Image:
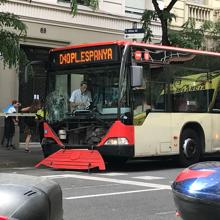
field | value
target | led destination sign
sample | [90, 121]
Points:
[77, 56]
[86, 56]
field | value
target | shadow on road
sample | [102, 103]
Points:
[144, 165]
[139, 165]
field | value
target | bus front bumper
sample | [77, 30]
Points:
[126, 151]
[82, 157]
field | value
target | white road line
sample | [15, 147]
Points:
[89, 187]
[22, 168]
[113, 174]
[148, 177]
[110, 194]
[166, 213]
[111, 180]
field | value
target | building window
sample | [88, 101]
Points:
[134, 7]
[80, 2]
[198, 2]
[138, 7]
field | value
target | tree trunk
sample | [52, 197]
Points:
[165, 40]
[164, 20]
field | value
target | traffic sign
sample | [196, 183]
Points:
[134, 33]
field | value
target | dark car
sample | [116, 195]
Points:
[26, 197]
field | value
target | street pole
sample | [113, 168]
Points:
[134, 26]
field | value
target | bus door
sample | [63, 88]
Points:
[149, 117]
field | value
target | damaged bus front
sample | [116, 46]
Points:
[81, 137]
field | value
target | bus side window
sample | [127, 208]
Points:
[217, 102]
[182, 106]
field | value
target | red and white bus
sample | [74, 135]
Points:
[147, 101]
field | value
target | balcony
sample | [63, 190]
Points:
[199, 12]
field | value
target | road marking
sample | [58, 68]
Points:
[89, 187]
[110, 194]
[22, 168]
[113, 174]
[148, 177]
[111, 180]
[166, 213]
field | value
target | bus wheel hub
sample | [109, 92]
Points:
[189, 148]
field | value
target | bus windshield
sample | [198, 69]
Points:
[103, 84]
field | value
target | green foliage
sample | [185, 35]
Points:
[168, 16]
[215, 33]
[94, 4]
[216, 28]
[147, 17]
[73, 4]
[11, 31]
[190, 36]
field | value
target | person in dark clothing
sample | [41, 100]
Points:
[30, 122]
[10, 122]
[3, 137]
[9, 131]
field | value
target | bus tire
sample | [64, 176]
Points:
[190, 148]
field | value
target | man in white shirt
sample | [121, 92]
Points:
[81, 98]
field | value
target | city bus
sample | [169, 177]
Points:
[147, 101]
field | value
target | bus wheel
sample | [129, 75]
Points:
[190, 148]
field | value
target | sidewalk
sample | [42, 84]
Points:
[19, 158]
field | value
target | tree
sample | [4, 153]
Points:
[147, 17]
[190, 36]
[11, 31]
[215, 34]
[164, 15]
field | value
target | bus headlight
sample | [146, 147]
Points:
[116, 141]
[62, 134]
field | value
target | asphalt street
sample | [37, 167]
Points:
[138, 191]
[19, 158]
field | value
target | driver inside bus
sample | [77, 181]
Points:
[81, 98]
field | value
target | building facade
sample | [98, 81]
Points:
[200, 10]
[50, 24]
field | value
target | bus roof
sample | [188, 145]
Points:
[152, 46]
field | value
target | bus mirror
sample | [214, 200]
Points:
[136, 76]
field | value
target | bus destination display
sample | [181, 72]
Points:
[78, 56]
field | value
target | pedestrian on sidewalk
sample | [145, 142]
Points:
[10, 122]
[29, 122]
[3, 136]
[39, 117]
